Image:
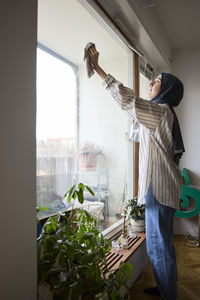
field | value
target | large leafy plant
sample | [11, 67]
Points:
[135, 211]
[72, 256]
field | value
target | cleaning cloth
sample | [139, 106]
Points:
[89, 65]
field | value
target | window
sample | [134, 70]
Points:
[103, 158]
[56, 128]
[144, 85]
[146, 74]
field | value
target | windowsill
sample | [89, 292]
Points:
[116, 226]
[135, 252]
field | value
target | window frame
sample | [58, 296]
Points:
[134, 78]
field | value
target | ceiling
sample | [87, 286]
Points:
[170, 24]
[179, 20]
[156, 27]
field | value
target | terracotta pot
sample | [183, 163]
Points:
[88, 161]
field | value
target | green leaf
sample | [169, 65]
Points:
[75, 194]
[42, 208]
[62, 292]
[69, 192]
[81, 186]
[69, 199]
[89, 190]
[80, 196]
[54, 226]
[61, 260]
[75, 295]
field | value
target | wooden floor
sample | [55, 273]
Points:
[188, 262]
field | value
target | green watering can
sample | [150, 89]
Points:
[188, 192]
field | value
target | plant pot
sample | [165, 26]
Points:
[44, 293]
[88, 162]
[138, 225]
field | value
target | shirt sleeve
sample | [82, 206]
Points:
[143, 111]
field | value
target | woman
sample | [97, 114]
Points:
[161, 147]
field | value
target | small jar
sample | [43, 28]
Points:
[115, 245]
[124, 242]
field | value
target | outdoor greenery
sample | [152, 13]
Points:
[135, 212]
[72, 256]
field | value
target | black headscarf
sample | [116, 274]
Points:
[171, 93]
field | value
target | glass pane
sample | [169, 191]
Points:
[105, 157]
[103, 126]
[56, 87]
[144, 85]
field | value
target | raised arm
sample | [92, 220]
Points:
[123, 95]
[94, 56]
[143, 111]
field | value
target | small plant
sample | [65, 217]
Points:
[90, 148]
[135, 211]
[72, 256]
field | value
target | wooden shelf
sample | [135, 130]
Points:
[113, 258]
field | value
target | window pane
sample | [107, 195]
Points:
[144, 85]
[103, 126]
[105, 156]
[56, 86]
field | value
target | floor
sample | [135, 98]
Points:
[188, 262]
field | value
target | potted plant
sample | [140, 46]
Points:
[88, 156]
[72, 256]
[137, 214]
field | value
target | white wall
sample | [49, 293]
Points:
[17, 93]
[186, 65]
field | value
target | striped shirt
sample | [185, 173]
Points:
[156, 164]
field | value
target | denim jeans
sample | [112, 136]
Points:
[160, 248]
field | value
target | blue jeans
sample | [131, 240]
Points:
[160, 248]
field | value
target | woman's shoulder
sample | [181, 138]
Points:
[168, 113]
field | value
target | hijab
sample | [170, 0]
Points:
[171, 93]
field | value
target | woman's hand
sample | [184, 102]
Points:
[94, 56]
